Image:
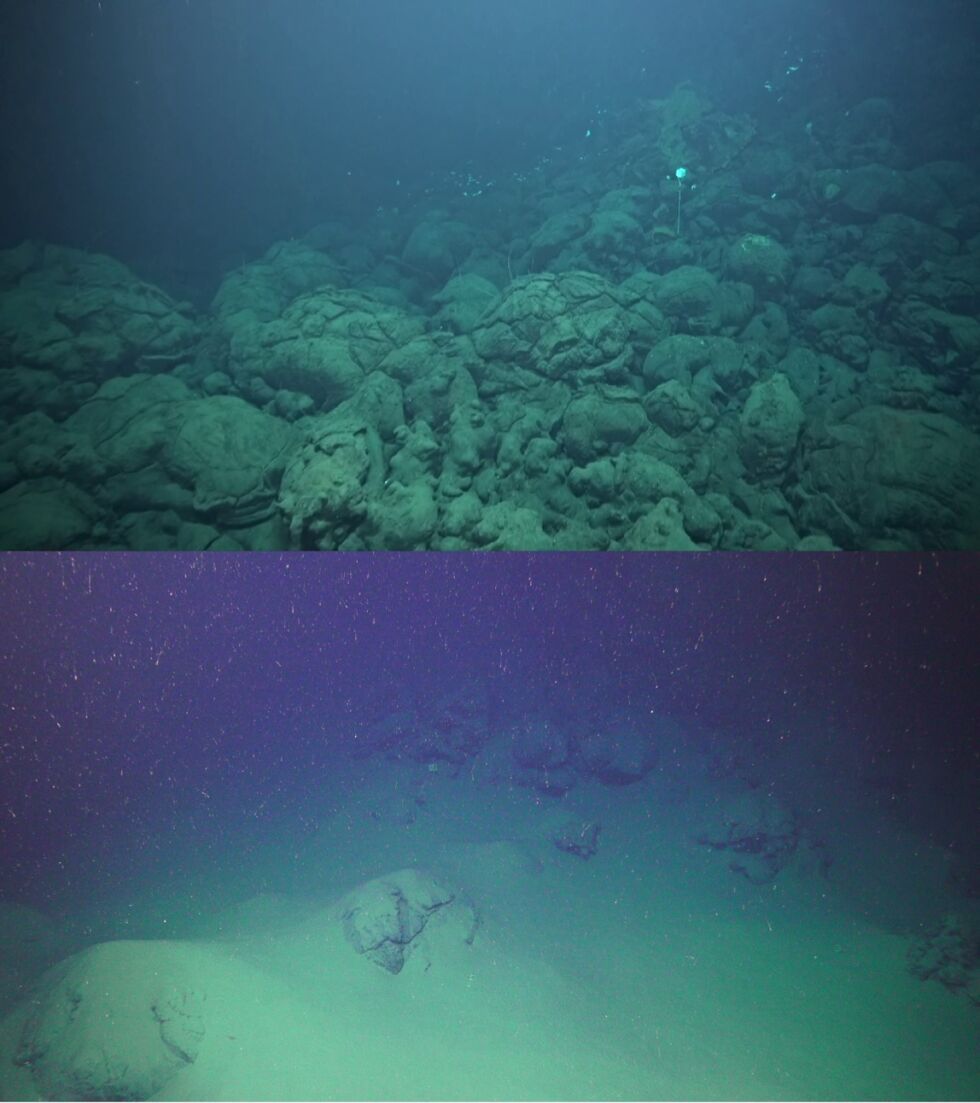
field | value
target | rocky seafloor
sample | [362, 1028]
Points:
[777, 350]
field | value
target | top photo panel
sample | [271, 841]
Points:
[514, 275]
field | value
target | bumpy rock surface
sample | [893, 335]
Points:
[449, 728]
[883, 474]
[86, 317]
[323, 346]
[554, 327]
[328, 481]
[770, 428]
[790, 365]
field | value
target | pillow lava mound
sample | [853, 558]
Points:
[559, 327]
[563, 412]
[894, 478]
[70, 320]
[117, 1021]
[279, 331]
[141, 448]
[105, 444]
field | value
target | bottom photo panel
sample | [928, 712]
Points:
[500, 827]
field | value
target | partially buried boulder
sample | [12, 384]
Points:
[390, 918]
[578, 837]
[540, 756]
[757, 830]
[451, 727]
[117, 1021]
[617, 751]
[538, 743]
[950, 953]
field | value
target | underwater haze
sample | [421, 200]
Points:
[514, 827]
[489, 274]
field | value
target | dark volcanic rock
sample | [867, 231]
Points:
[116, 1021]
[951, 955]
[760, 833]
[385, 919]
[578, 837]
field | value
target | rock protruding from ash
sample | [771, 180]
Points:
[116, 1021]
[390, 918]
[951, 955]
[617, 750]
[578, 837]
[758, 830]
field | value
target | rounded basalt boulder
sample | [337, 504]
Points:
[389, 919]
[761, 262]
[769, 428]
[116, 1021]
